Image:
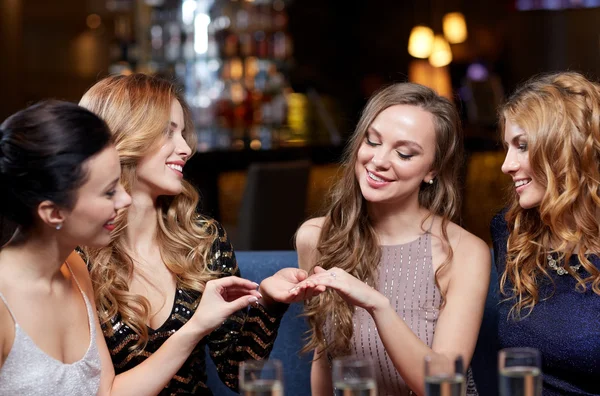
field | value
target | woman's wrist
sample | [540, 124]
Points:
[193, 331]
[266, 300]
[380, 305]
[271, 305]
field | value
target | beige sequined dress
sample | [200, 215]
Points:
[406, 278]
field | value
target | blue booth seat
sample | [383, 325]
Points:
[485, 358]
[257, 265]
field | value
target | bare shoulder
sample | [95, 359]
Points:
[80, 271]
[307, 238]
[468, 249]
[471, 253]
[464, 241]
[309, 232]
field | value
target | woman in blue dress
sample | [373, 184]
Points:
[547, 242]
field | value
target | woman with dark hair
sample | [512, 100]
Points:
[60, 174]
[547, 242]
[152, 280]
[60, 180]
[404, 280]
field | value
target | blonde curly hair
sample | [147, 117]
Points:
[560, 114]
[137, 110]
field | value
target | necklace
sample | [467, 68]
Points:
[560, 270]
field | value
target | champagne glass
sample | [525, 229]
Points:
[444, 377]
[261, 378]
[354, 377]
[520, 372]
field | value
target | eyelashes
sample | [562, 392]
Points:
[402, 156]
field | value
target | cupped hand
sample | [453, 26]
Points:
[289, 285]
[351, 289]
[221, 298]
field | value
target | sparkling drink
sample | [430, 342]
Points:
[520, 381]
[445, 385]
[355, 387]
[262, 388]
[261, 378]
[354, 377]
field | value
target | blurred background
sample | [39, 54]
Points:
[276, 86]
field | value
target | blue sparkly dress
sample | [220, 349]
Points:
[565, 327]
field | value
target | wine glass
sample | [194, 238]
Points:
[354, 377]
[444, 377]
[520, 372]
[261, 378]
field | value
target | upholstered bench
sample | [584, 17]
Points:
[256, 266]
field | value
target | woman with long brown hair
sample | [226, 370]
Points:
[397, 268]
[150, 281]
[547, 241]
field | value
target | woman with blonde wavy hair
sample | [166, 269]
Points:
[153, 283]
[396, 267]
[547, 241]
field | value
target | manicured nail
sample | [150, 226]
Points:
[252, 300]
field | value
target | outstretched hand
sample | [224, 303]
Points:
[223, 297]
[289, 285]
[351, 289]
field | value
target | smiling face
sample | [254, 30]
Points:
[396, 155]
[99, 199]
[161, 172]
[517, 165]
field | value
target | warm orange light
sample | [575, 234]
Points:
[236, 69]
[455, 27]
[251, 66]
[255, 144]
[237, 92]
[93, 21]
[436, 78]
[420, 41]
[440, 52]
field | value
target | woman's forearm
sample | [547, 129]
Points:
[320, 376]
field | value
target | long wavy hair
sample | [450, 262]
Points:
[560, 113]
[348, 240]
[137, 109]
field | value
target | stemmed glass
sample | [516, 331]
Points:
[354, 377]
[261, 378]
[520, 372]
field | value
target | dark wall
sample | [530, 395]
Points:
[540, 41]
[348, 48]
[48, 51]
[345, 48]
